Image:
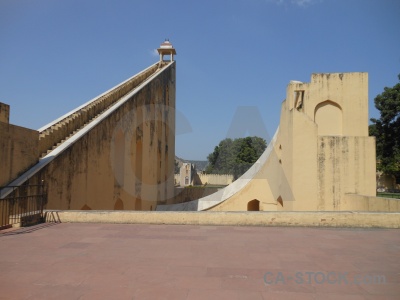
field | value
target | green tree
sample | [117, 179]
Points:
[386, 129]
[235, 156]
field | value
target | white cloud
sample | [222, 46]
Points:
[276, 1]
[154, 52]
[301, 3]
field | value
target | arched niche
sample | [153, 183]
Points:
[119, 205]
[86, 207]
[253, 205]
[328, 117]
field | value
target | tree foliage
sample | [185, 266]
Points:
[235, 156]
[386, 129]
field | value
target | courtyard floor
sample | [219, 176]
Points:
[114, 261]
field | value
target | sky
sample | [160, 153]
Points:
[234, 57]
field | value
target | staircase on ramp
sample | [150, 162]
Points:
[58, 131]
[58, 135]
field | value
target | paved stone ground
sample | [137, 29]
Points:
[112, 261]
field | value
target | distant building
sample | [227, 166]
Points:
[186, 174]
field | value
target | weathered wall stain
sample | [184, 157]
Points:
[112, 165]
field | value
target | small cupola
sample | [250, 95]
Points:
[166, 48]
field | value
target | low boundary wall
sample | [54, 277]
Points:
[293, 219]
[370, 203]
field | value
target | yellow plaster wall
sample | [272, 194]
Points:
[321, 151]
[18, 151]
[124, 162]
[214, 179]
[349, 91]
[370, 203]
[297, 219]
[345, 165]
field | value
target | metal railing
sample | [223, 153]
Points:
[23, 206]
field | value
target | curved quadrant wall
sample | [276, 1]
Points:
[320, 154]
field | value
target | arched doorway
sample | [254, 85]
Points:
[253, 205]
[119, 205]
